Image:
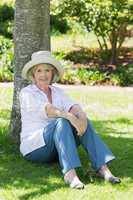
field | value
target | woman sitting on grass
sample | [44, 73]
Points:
[53, 125]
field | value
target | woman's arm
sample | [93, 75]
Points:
[52, 111]
[80, 122]
[82, 117]
[78, 112]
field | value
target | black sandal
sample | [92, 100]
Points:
[114, 180]
[111, 179]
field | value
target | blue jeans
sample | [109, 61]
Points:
[62, 141]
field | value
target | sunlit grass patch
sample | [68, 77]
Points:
[111, 113]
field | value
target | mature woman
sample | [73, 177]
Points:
[53, 125]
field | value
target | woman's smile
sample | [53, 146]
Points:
[43, 79]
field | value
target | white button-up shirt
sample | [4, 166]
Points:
[33, 116]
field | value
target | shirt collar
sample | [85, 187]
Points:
[35, 88]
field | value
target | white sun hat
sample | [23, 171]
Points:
[43, 57]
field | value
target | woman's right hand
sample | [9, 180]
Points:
[52, 111]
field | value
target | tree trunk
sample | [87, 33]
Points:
[31, 33]
[114, 38]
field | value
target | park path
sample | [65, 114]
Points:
[79, 87]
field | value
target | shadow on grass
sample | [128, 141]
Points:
[107, 126]
[40, 179]
[83, 55]
[18, 173]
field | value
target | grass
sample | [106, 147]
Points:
[9, 2]
[111, 112]
[70, 42]
[67, 42]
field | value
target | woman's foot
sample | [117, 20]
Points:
[106, 174]
[72, 179]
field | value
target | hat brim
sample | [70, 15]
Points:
[44, 60]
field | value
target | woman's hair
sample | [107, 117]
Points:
[31, 71]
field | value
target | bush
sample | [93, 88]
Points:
[91, 67]
[83, 76]
[70, 77]
[122, 76]
[125, 74]
[6, 22]
[6, 59]
[91, 76]
[6, 12]
[58, 24]
[6, 29]
[83, 56]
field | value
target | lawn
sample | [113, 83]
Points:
[71, 42]
[7, 2]
[111, 110]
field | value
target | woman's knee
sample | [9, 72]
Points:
[63, 126]
[62, 122]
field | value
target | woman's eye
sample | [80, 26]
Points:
[39, 70]
[47, 70]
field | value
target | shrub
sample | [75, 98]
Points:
[6, 59]
[58, 24]
[83, 55]
[6, 12]
[125, 74]
[122, 76]
[6, 22]
[70, 77]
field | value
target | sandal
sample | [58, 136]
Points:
[72, 179]
[112, 179]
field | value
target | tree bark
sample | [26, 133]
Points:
[114, 38]
[31, 33]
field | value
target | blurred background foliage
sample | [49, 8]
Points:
[92, 39]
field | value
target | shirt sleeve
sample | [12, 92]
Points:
[67, 101]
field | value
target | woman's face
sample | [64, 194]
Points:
[43, 74]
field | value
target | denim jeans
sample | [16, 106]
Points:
[62, 142]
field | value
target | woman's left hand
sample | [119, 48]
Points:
[81, 117]
[79, 124]
[82, 123]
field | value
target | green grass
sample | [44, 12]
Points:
[67, 42]
[111, 112]
[9, 2]
[70, 42]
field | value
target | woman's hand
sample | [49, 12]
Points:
[82, 119]
[79, 124]
[52, 111]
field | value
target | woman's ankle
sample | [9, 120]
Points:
[70, 175]
[105, 171]
[106, 174]
[73, 180]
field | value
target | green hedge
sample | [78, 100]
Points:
[6, 20]
[122, 76]
[6, 59]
